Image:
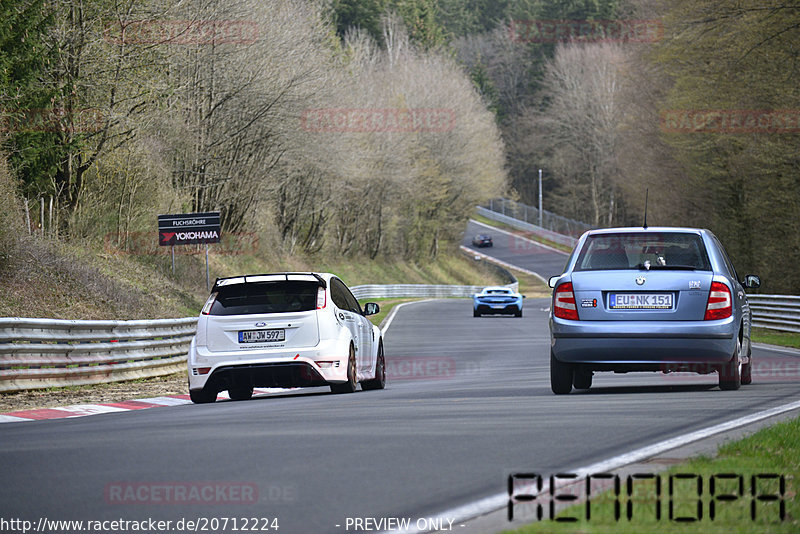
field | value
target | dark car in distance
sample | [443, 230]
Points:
[482, 240]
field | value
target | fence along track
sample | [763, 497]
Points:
[777, 312]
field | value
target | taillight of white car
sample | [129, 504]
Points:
[720, 303]
[564, 302]
[322, 299]
[210, 302]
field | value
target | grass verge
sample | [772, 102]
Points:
[776, 337]
[734, 470]
[83, 280]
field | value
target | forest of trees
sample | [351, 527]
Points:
[591, 112]
[120, 110]
[129, 122]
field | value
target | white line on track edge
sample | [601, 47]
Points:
[503, 263]
[392, 313]
[499, 501]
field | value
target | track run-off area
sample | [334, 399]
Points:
[467, 403]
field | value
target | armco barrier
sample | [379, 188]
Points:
[530, 214]
[43, 353]
[561, 239]
[778, 312]
[417, 290]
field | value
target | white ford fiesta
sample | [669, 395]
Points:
[284, 330]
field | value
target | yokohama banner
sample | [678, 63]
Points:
[188, 229]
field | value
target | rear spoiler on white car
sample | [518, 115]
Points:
[274, 277]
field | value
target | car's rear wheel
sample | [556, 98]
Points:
[560, 376]
[379, 382]
[582, 379]
[518, 314]
[475, 313]
[202, 396]
[730, 374]
[352, 383]
[240, 393]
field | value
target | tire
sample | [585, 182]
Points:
[582, 379]
[379, 382]
[747, 371]
[240, 393]
[352, 383]
[730, 374]
[475, 313]
[560, 376]
[518, 314]
[202, 396]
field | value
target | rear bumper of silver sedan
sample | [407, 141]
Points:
[643, 345]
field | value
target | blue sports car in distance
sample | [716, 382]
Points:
[649, 299]
[497, 300]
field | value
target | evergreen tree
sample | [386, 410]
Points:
[30, 120]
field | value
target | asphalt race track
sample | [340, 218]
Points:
[468, 401]
[517, 251]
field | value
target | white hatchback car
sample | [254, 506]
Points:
[284, 330]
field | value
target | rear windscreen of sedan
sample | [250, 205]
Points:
[265, 297]
[667, 250]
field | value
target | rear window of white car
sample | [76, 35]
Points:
[265, 297]
[667, 250]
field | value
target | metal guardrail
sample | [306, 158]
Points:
[777, 312]
[555, 237]
[42, 353]
[418, 290]
[530, 214]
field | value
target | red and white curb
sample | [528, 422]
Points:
[81, 410]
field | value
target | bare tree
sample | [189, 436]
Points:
[579, 126]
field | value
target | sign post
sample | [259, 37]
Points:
[189, 229]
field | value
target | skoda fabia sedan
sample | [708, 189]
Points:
[649, 299]
[284, 330]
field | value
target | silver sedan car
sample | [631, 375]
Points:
[649, 299]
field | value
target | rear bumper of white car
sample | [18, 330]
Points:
[280, 367]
